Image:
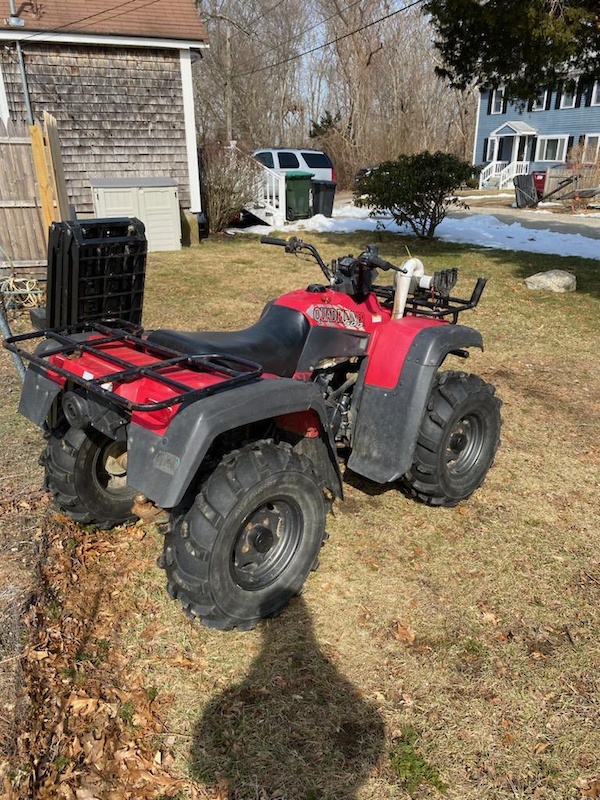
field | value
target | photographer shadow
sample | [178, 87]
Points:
[294, 728]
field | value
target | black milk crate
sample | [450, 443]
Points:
[96, 270]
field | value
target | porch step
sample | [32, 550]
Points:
[491, 183]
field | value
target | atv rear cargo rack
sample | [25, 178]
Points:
[236, 371]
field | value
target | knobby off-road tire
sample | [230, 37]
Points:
[457, 442]
[85, 479]
[250, 539]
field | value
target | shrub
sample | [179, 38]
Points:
[416, 190]
[228, 183]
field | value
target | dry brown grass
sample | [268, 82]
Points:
[456, 645]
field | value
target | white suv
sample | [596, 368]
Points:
[292, 160]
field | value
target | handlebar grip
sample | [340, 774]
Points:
[381, 263]
[273, 240]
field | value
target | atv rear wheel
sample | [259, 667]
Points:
[457, 442]
[250, 539]
[86, 475]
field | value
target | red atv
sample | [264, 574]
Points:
[236, 434]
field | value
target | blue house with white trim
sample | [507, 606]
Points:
[513, 138]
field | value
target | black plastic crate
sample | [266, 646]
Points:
[96, 270]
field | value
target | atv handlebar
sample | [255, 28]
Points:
[371, 258]
[273, 240]
[430, 293]
[294, 245]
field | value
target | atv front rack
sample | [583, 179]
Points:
[432, 305]
[97, 339]
[427, 304]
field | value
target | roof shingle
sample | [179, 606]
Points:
[163, 19]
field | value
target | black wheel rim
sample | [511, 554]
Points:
[464, 445]
[109, 469]
[266, 544]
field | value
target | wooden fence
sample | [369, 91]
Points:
[23, 238]
[566, 182]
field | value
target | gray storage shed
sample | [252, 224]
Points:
[153, 200]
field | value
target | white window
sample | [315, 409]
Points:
[567, 97]
[590, 148]
[497, 101]
[539, 104]
[551, 148]
[596, 94]
[491, 150]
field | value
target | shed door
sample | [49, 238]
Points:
[117, 202]
[159, 211]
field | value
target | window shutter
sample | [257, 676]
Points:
[485, 150]
[570, 144]
[579, 94]
[490, 97]
[559, 90]
[530, 105]
[589, 91]
[533, 148]
[504, 103]
[549, 98]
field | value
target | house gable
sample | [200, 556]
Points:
[118, 79]
[514, 129]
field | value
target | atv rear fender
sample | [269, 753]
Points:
[391, 404]
[163, 467]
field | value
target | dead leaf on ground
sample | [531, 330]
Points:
[404, 633]
[592, 790]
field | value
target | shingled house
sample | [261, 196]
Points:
[117, 76]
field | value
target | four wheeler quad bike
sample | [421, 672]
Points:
[235, 434]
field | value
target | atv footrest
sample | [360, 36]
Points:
[105, 357]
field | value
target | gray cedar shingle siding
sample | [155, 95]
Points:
[119, 112]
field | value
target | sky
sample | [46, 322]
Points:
[484, 230]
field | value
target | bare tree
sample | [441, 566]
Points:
[248, 88]
[359, 75]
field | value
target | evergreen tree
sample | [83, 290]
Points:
[522, 44]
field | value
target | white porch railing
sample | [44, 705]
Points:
[489, 173]
[505, 178]
[501, 173]
[268, 203]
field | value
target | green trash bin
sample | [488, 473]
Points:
[297, 195]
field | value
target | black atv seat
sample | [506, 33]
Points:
[275, 341]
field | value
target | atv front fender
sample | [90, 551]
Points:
[163, 467]
[388, 419]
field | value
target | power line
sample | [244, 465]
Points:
[261, 16]
[332, 41]
[280, 45]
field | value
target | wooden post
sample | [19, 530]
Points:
[42, 176]
[56, 166]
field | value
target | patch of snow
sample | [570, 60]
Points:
[483, 230]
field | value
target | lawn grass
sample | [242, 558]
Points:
[448, 652]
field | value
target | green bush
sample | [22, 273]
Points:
[416, 190]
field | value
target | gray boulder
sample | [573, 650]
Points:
[554, 280]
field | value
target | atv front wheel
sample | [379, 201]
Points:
[250, 539]
[457, 442]
[86, 476]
